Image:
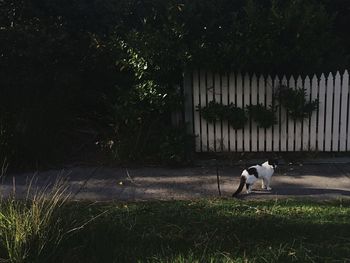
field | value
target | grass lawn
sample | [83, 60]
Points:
[209, 231]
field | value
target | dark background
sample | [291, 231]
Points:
[99, 79]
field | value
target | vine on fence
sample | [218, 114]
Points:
[212, 112]
[264, 117]
[235, 116]
[295, 102]
[215, 111]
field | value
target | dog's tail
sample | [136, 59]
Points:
[240, 187]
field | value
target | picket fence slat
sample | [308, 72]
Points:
[268, 97]
[284, 123]
[224, 97]
[290, 146]
[344, 112]
[347, 87]
[313, 120]
[306, 122]
[217, 125]
[298, 124]
[277, 127]
[254, 101]
[203, 99]
[321, 113]
[239, 103]
[246, 89]
[328, 118]
[327, 129]
[336, 113]
[210, 92]
[261, 100]
[197, 117]
[231, 99]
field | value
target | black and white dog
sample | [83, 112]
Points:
[252, 174]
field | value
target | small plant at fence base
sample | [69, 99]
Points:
[215, 111]
[264, 117]
[295, 102]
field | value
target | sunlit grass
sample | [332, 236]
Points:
[30, 227]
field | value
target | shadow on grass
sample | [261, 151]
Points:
[204, 231]
[295, 191]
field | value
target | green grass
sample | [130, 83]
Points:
[30, 228]
[42, 229]
[210, 231]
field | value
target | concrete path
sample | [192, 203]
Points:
[321, 181]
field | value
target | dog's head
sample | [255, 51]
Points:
[273, 163]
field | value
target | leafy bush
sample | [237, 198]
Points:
[296, 103]
[264, 117]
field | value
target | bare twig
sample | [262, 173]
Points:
[3, 170]
[87, 222]
[85, 182]
[129, 177]
[218, 178]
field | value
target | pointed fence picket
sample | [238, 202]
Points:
[298, 124]
[276, 128]
[268, 103]
[344, 113]
[336, 113]
[240, 103]
[328, 117]
[321, 113]
[203, 102]
[261, 100]
[326, 129]
[291, 123]
[211, 97]
[306, 122]
[196, 113]
[246, 129]
[313, 117]
[224, 125]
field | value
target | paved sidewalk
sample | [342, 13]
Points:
[321, 181]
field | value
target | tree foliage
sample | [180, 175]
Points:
[73, 73]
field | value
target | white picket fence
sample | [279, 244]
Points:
[327, 130]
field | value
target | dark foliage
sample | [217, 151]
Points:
[215, 111]
[235, 116]
[212, 112]
[296, 103]
[264, 117]
[77, 75]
